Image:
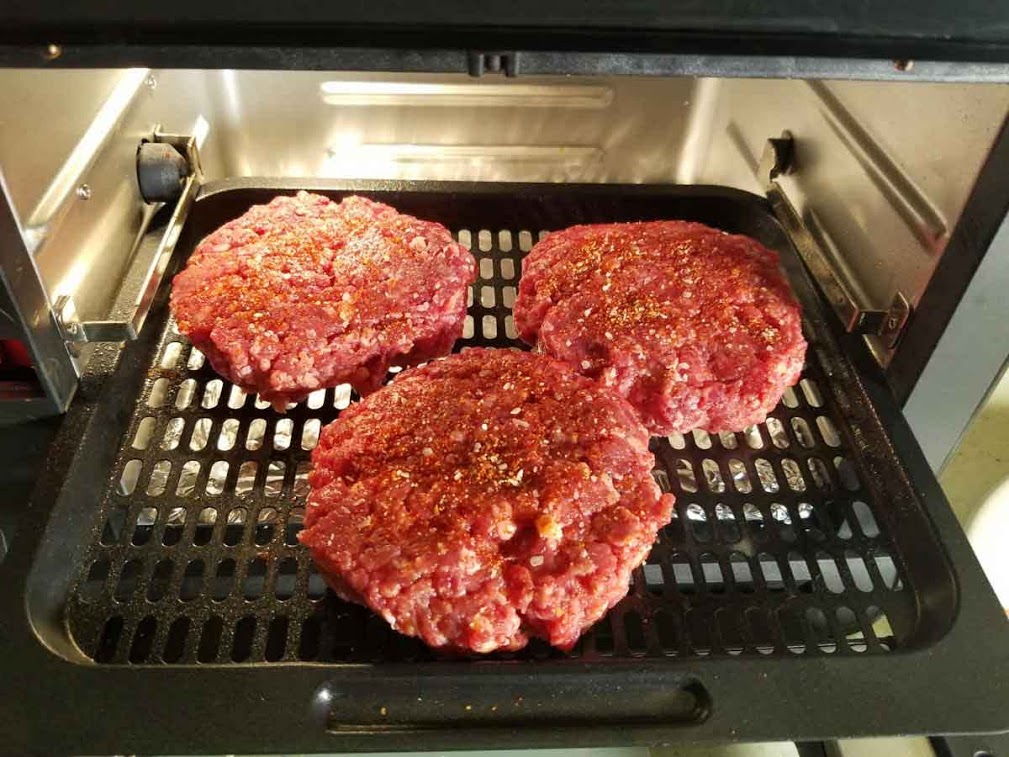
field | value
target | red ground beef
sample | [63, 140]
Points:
[695, 327]
[485, 498]
[305, 292]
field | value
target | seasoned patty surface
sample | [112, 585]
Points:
[485, 498]
[305, 292]
[695, 327]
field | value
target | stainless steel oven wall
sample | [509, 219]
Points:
[883, 169]
[68, 143]
[42, 120]
[73, 218]
[78, 200]
[450, 126]
[883, 172]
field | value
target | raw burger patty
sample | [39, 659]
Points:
[485, 498]
[695, 327]
[305, 292]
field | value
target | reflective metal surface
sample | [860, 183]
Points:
[149, 261]
[464, 95]
[844, 297]
[34, 144]
[68, 151]
[69, 182]
[884, 168]
[436, 127]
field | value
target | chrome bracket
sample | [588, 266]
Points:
[856, 315]
[149, 263]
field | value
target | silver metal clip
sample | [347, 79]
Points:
[857, 316]
[149, 263]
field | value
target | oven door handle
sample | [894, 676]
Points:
[475, 697]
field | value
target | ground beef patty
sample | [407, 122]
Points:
[305, 292]
[485, 498]
[696, 327]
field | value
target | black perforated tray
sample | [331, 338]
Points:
[801, 590]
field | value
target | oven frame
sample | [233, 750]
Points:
[248, 708]
[935, 38]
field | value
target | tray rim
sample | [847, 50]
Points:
[245, 704]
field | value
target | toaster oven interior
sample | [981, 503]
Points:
[808, 557]
[881, 173]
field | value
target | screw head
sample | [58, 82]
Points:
[891, 322]
[903, 65]
[84, 192]
[151, 82]
[53, 51]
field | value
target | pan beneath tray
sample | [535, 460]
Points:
[803, 563]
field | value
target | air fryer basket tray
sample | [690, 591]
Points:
[803, 554]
